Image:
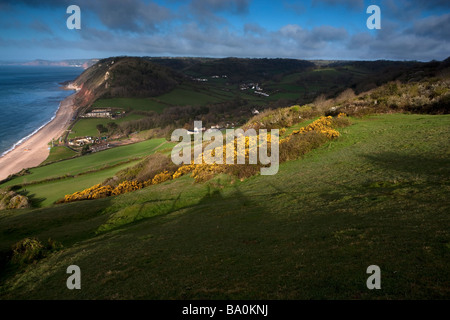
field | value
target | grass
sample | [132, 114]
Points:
[185, 95]
[377, 195]
[59, 153]
[298, 126]
[88, 126]
[46, 193]
[304, 86]
[142, 104]
[95, 161]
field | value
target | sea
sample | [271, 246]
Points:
[29, 99]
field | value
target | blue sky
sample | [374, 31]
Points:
[310, 29]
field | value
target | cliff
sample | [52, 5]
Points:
[124, 77]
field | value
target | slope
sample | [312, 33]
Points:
[377, 195]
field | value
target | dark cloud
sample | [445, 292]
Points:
[328, 33]
[210, 13]
[130, 15]
[407, 10]
[437, 27]
[315, 39]
[425, 41]
[350, 4]
[296, 7]
[201, 28]
[92, 34]
[254, 28]
[213, 6]
[40, 26]
[124, 15]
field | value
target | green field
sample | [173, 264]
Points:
[59, 152]
[88, 126]
[304, 86]
[143, 104]
[183, 96]
[95, 161]
[378, 195]
[46, 193]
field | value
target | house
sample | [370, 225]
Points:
[98, 113]
[100, 147]
[196, 130]
[81, 141]
[262, 93]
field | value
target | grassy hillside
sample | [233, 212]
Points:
[79, 173]
[163, 93]
[238, 70]
[377, 195]
[59, 152]
[124, 77]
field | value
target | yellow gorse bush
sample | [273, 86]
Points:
[200, 169]
[322, 125]
[161, 177]
[185, 169]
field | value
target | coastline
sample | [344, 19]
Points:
[33, 150]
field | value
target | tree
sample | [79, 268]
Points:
[101, 129]
[85, 150]
[112, 126]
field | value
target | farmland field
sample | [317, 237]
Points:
[88, 126]
[144, 104]
[91, 162]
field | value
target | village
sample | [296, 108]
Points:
[92, 144]
[89, 144]
[248, 85]
[107, 113]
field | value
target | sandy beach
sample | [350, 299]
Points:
[34, 151]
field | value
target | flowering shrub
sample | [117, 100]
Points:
[161, 177]
[322, 125]
[297, 143]
[184, 169]
[127, 186]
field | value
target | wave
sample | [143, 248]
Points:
[18, 143]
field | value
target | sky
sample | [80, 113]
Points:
[310, 29]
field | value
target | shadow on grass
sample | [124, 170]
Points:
[35, 202]
[413, 164]
[65, 223]
[140, 215]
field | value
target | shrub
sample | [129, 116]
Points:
[295, 108]
[296, 144]
[280, 118]
[162, 177]
[346, 95]
[29, 250]
[11, 200]
[185, 169]
[145, 170]
[300, 144]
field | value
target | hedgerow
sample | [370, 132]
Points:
[298, 143]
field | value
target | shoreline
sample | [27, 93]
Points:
[24, 139]
[32, 150]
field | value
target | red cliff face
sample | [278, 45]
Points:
[84, 97]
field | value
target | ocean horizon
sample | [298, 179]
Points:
[30, 96]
